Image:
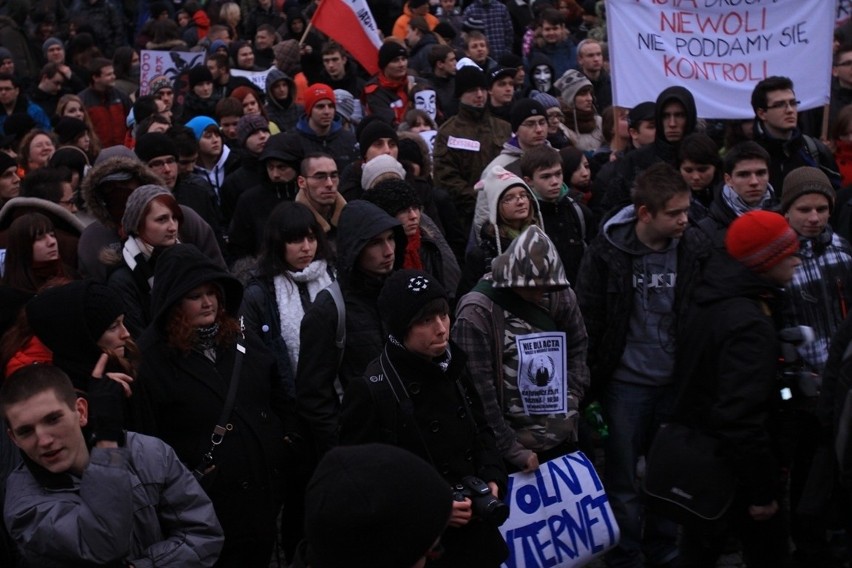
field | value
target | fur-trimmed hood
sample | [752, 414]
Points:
[94, 199]
[54, 211]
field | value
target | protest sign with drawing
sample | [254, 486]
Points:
[719, 50]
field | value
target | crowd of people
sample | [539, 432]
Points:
[226, 309]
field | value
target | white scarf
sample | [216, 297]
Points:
[290, 311]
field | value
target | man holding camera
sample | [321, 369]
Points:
[728, 360]
[418, 395]
[116, 499]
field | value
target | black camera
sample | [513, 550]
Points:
[796, 381]
[485, 506]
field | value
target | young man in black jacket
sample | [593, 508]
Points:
[728, 356]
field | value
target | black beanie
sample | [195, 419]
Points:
[199, 74]
[70, 320]
[389, 51]
[404, 295]
[409, 151]
[69, 129]
[392, 196]
[6, 162]
[468, 78]
[375, 505]
[523, 109]
[373, 131]
[153, 144]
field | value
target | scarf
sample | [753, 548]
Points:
[412, 253]
[581, 121]
[44, 271]
[314, 277]
[735, 202]
[400, 89]
[205, 340]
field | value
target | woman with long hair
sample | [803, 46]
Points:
[150, 223]
[32, 254]
[72, 105]
[252, 104]
[193, 351]
[293, 268]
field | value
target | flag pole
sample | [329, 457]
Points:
[308, 28]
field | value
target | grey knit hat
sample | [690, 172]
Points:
[570, 83]
[545, 100]
[804, 180]
[136, 204]
[248, 125]
[378, 166]
[50, 42]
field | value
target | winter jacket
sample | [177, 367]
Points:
[274, 307]
[445, 426]
[245, 233]
[103, 232]
[606, 294]
[133, 505]
[249, 174]
[193, 106]
[570, 226]
[562, 55]
[727, 358]
[284, 113]
[820, 293]
[178, 397]
[400, 26]
[339, 143]
[460, 163]
[24, 105]
[196, 193]
[108, 111]
[14, 38]
[487, 331]
[320, 363]
[787, 155]
[387, 99]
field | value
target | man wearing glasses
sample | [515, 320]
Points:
[775, 128]
[318, 182]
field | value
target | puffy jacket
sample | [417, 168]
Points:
[133, 505]
[108, 112]
[339, 143]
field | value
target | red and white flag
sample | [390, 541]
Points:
[350, 23]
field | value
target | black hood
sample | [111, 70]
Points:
[360, 221]
[684, 97]
[730, 279]
[182, 268]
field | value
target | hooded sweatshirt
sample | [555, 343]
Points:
[648, 357]
[283, 112]
[320, 364]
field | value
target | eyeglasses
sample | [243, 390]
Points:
[164, 162]
[520, 198]
[324, 176]
[534, 123]
[783, 105]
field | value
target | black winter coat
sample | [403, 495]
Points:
[443, 428]
[320, 363]
[727, 356]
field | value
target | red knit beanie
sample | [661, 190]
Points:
[315, 93]
[760, 240]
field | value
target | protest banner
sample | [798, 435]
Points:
[719, 50]
[559, 515]
[257, 78]
[173, 64]
[351, 24]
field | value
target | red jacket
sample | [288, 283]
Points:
[108, 112]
